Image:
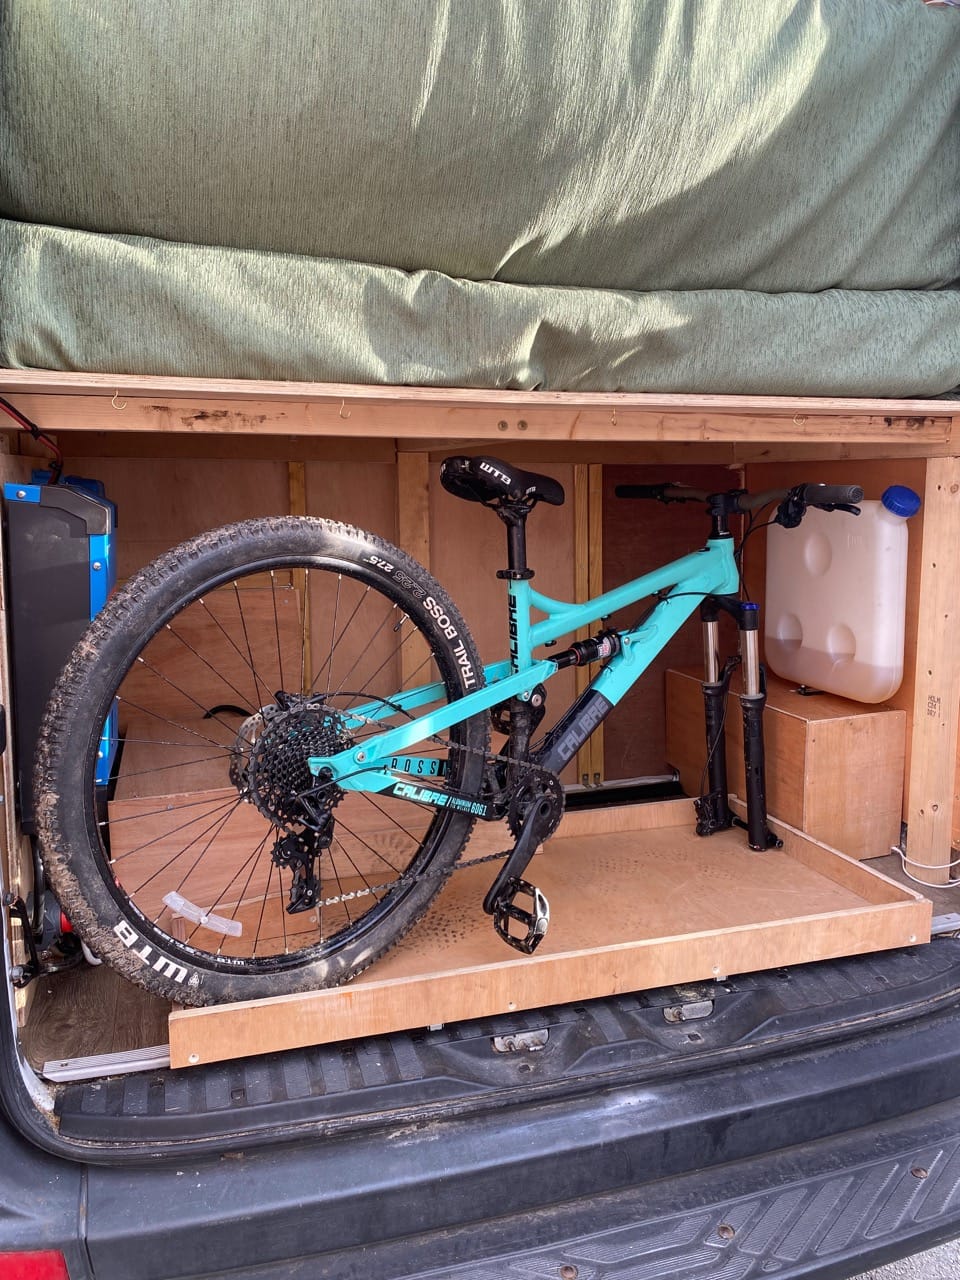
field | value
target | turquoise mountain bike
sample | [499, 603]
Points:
[296, 727]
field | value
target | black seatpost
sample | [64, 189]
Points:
[514, 516]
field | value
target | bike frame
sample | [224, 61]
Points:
[375, 765]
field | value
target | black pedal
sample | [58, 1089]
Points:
[534, 921]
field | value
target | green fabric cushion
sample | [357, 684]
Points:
[686, 195]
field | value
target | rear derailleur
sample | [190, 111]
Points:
[298, 852]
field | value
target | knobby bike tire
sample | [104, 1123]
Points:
[161, 865]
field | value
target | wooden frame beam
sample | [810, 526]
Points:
[67, 402]
[936, 707]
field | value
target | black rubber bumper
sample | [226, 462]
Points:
[826, 1210]
[791, 1143]
[814, 1163]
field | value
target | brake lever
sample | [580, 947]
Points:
[837, 506]
[791, 510]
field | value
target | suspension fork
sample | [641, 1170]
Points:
[713, 810]
[712, 807]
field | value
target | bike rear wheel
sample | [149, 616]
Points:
[176, 810]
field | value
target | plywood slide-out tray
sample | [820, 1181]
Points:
[637, 900]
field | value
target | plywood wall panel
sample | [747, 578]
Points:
[162, 501]
[357, 492]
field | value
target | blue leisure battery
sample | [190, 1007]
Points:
[60, 568]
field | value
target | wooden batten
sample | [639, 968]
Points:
[936, 685]
[251, 407]
[413, 535]
[588, 582]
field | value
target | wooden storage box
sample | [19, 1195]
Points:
[637, 899]
[180, 455]
[834, 767]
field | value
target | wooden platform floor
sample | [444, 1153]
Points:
[638, 900]
[630, 908]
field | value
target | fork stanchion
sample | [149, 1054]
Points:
[752, 701]
[713, 809]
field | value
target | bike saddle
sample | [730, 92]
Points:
[492, 482]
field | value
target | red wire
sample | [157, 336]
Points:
[31, 427]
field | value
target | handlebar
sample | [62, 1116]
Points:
[825, 496]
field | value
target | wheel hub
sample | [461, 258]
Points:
[269, 765]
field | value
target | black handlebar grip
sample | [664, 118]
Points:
[830, 495]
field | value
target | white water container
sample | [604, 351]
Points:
[836, 598]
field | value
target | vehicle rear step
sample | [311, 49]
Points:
[476, 1065]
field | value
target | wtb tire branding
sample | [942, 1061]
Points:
[150, 956]
[444, 623]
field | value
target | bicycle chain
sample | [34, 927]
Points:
[405, 878]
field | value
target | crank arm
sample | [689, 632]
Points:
[528, 843]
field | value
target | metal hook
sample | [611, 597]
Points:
[123, 405]
[343, 415]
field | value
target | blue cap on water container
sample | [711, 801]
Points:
[901, 501]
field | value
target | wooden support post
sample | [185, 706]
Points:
[413, 505]
[936, 708]
[297, 485]
[588, 581]
[297, 481]
[413, 534]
